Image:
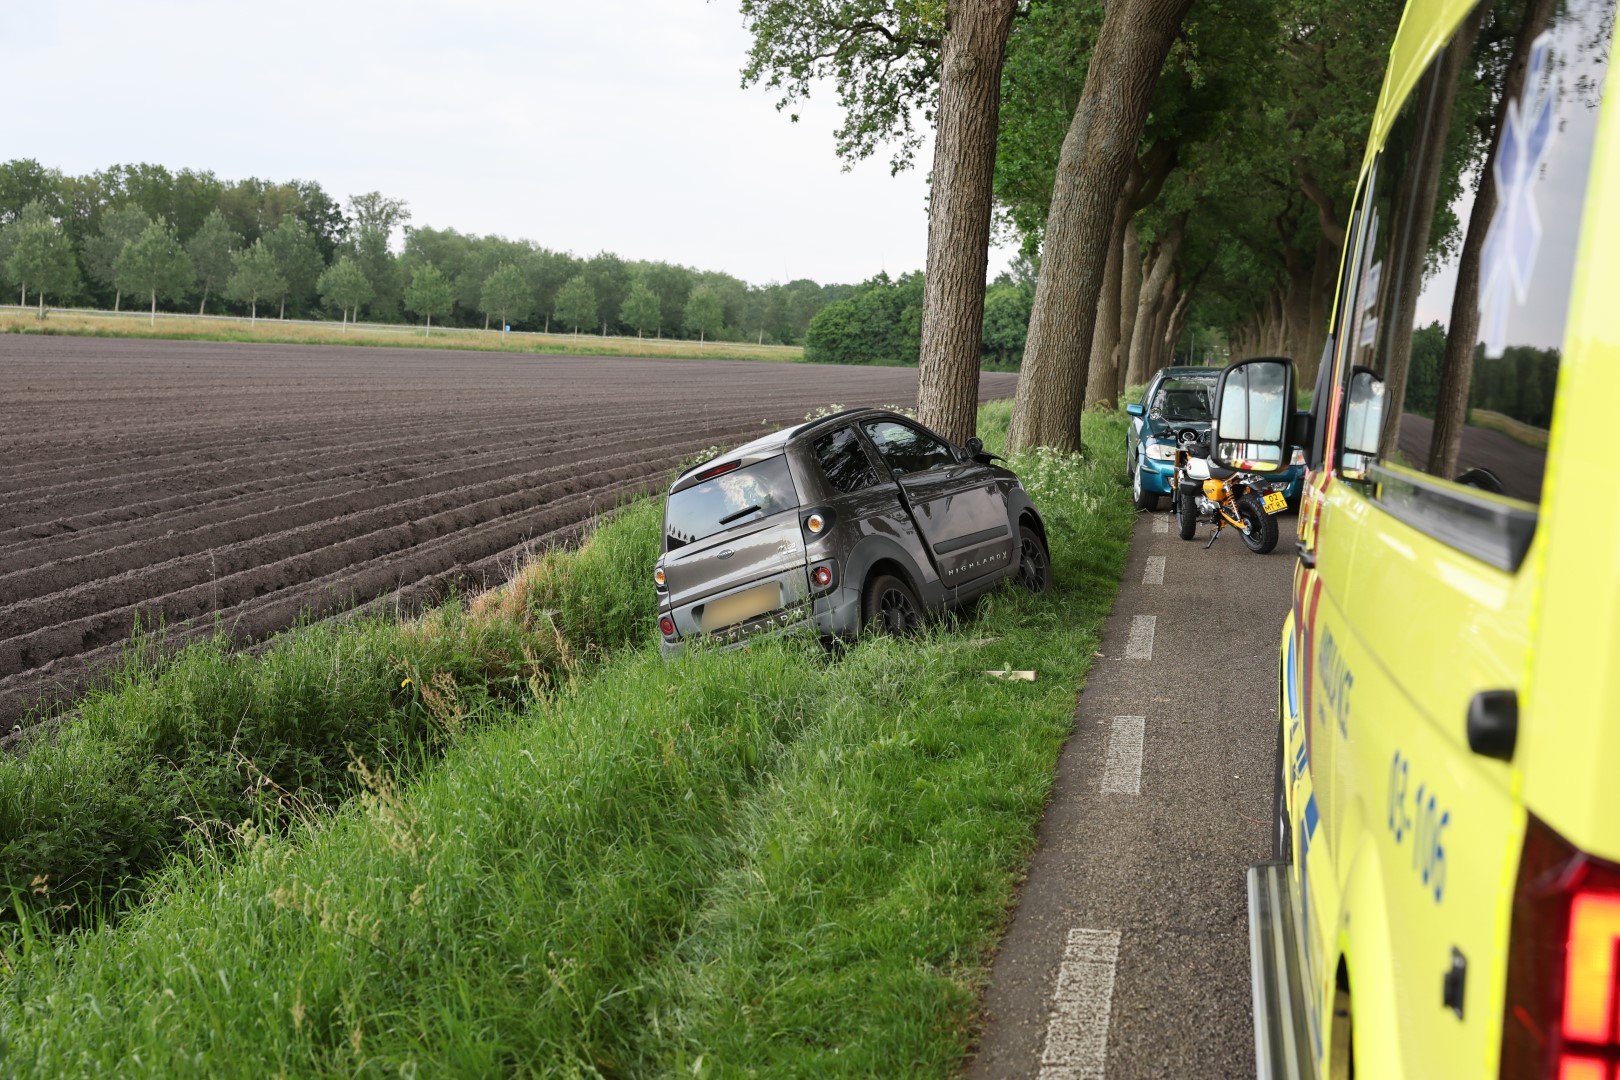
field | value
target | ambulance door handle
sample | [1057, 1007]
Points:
[1493, 723]
[1307, 557]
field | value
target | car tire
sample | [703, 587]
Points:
[1262, 535]
[1144, 500]
[1034, 561]
[1186, 515]
[888, 606]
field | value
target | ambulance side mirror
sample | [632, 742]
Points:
[1254, 411]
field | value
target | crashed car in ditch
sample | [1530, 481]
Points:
[863, 519]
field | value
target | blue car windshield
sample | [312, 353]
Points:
[1184, 399]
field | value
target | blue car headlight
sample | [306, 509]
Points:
[1157, 451]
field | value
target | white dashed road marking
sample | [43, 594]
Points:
[1140, 646]
[1154, 574]
[1122, 775]
[1077, 1033]
[1161, 524]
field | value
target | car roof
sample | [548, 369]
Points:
[1189, 372]
[767, 446]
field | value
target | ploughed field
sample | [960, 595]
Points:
[195, 484]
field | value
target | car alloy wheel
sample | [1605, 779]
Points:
[1034, 564]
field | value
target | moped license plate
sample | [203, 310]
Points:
[1275, 502]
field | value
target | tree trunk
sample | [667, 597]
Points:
[1096, 156]
[429, 331]
[1130, 290]
[118, 295]
[1462, 330]
[154, 309]
[203, 307]
[283, 315]
[959, 215]
[253, 312]
[1409, 239]
[42, 303]
[486, 322]
[548, 324]
[1103, 374]
[1143, 344]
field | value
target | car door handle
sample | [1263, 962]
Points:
[1307, 557]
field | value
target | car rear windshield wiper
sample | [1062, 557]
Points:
[744, 512]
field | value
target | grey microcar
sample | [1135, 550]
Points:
[860, 519]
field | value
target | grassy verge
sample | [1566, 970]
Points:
[736, 863]
[274, 331]
[1517, 430]
[177, 755]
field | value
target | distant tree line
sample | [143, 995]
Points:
[881, 321]
[143, 237]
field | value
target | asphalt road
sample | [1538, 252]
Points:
[1128, 953]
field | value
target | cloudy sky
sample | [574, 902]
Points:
[615, 124]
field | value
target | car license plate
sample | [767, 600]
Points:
[740, 607]
[1275, 502]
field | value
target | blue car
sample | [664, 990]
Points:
[1178, 398]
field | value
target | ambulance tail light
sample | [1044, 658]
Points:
[1562, 1014]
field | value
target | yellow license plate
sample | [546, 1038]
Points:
[1275, 502]
[740, 607]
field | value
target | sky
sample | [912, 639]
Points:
[615, 125]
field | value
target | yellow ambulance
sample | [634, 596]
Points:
[1444, 897]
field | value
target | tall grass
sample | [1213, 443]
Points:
[736, 863]
[175, 755]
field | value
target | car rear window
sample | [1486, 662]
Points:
[732, 498]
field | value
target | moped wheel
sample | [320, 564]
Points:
[1262, 534]
[1186, 515]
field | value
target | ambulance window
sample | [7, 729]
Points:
[1465, 260]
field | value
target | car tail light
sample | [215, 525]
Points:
[816, 522]
[1562, 1019]
[822, 576]
[718, 470]
[667, 626]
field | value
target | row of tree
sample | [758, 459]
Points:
[1166, 164]
[169, 238]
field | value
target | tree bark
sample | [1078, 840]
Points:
[1103, 373]
[283, 315]
[1143, 345]
[959, 214]
[154, 309]
[1097, 153]
[429, 331]
[486, 322]
[253, 312]
[1130, 289]
[118, 295]
[203, 307]
[1462, 330]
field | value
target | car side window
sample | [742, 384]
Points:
[1453, 330]
[905, 448]
[844, 462]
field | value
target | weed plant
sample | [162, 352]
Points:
[175, 755]
[757, 862]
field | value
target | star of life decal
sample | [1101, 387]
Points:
[1515, 234]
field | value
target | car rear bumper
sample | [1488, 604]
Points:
[835, 615]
